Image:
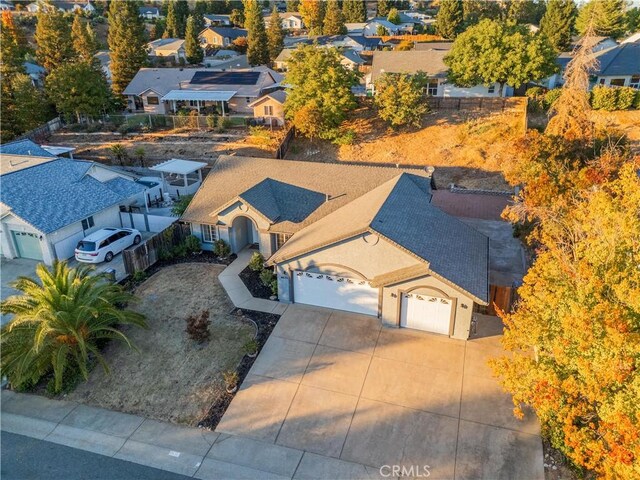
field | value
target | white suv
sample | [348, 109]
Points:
[102, 245]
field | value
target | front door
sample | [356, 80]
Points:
[27, 245]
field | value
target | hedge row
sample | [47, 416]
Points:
[601, 98]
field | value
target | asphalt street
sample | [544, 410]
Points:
[25, 458]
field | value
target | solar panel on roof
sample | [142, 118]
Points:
[225, 78]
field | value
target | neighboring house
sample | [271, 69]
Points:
[150, 13]
[371, 28]
[431, 62]
[6, 5]
[68, 7]
[220, 36]
[48, 204]
[619, 66]
[214, 20]
[349, 58]
[632, 38]
[350, 237]
[290, 21]
[355, 28]
[433, 46]
[33, 7]
[167, 48]
[36, 72]
[226, 62]
[104, 57]
[165, 90]
[269, 109]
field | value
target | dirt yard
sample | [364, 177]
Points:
[466, 149]
[171, 377]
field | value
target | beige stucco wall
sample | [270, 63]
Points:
[278, 110]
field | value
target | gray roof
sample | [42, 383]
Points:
[52, 195]
[231, 176]
[352, 55]
[433, 46]
[229, 32]
[24, 147]
[151, 10]
[279, 201]
[400, 211]
[431, 62]
[621, 60]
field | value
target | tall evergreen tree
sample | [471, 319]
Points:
[382, 8]
[257, 50]
[333, 19]
[449, 21]
[199, 10]
[84, 40]
[127, 43]
[608, 17]
[192, 48]
[312, 15]
[53, 38]
[355, 11]
[293, 5]
[275, 34]
[171, 29]
[182, 13]
[16, 32]
[11, 66]
[394, 16]
[557, 23]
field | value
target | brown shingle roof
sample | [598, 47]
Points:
[431, 62]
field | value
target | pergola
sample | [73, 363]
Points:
[199, 96]
[185, 176]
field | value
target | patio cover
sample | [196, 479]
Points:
[179, 167]
[207, 96]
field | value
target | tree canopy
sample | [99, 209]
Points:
[257, 50]
[319, 93]
[496, 52]
[607, 18]
[394, 16]
[127, 43]
[558, 22]
[54, 46]
[275, 35]
[84, 40]
[192, 48]
[312, 15]
[355, 11]
[400, 98]
[333, 19]
[449, 21]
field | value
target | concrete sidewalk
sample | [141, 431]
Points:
[238, 292]
[193, 452]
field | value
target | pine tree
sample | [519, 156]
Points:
[312, 15]
[17, 33]
[199, 10]
[557, 23]
[333, 19]
[257, 51]
[382, 8]
[192, 47]
[53, 38]
[608, 17]
[171, 29]
[157, 30]
[293, 5]
[355, 11]
[275, 34]
[84, 40]
[32, 106]
[394, 16]
[127, 44]
[449, 21]
[11, 65]
[182, 13]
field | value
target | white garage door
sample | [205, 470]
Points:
[330, 291]
[423, 312]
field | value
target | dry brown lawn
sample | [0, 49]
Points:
[171, 377]
[465, 148]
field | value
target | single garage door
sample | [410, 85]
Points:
[422, 312]
[27, 245]
[330, 291]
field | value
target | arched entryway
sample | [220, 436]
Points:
[244, 233]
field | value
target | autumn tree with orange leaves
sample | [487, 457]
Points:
[574, 336]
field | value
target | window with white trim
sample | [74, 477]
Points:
[432, 87]
[208, 233]
[88, 223]
[268, 110]
[492, 89]
[635, 82]
[281, 239]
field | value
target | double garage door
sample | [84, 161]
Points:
[331, 291]
[423, 312]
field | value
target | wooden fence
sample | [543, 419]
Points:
[281, 151]
[501, 298]
[40, 133]
[148, 252]
[492, 104]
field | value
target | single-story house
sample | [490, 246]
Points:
[48, 204]
[80, 6]
[350, 237]
[167, 47]
[635, 37]
[349, 58]
[433, 46]
[355, 28]
[223, 20]
[6, 5]
[220, 36]
[619, 66]
[371, 28]
[431, 62]
[36, 72]
[290, 20]
[226, 62]
[165, 90]
[269, 109]
[149, 13]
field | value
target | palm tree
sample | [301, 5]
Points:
[58, 321]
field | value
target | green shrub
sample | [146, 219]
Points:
[536, 99]
[180, 205]
[604, 98]
[192, 243]
[636, 101]
[223, 123]
[94, 127]
[165, 254]
[257, 262]
[266, 277]
[71, 377]
[221, 249]
[274, 286]
[124, 129]
[345, 138]
[550, 97]
[211, 121]
[180, 250]
[626, 97]
[251, 347]
[139, 276]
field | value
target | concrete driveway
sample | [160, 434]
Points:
[339, 386]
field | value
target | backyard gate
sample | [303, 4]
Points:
[147, 253]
